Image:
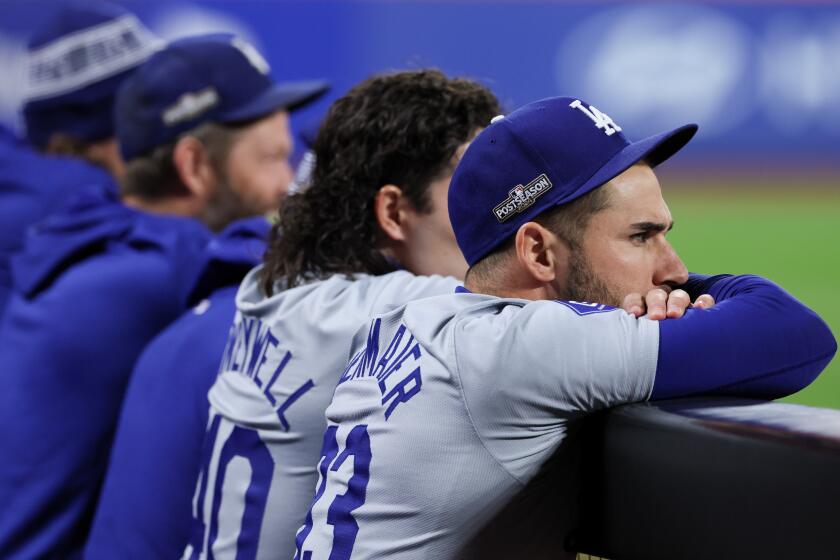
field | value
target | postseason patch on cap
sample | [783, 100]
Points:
[191, 105]
[521, 197]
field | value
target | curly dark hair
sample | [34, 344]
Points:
[401, 129]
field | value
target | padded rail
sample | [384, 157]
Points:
[711, 478]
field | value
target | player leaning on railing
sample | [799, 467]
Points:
[451, 405]
[370, 232]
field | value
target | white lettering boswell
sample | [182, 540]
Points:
[521, 197]
[601, 120]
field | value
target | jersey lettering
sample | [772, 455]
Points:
[397, 370]
[247, 446]
[340, 512]
[251, 346]
[329, 450]
[199, 529]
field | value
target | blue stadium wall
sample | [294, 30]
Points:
[762, 78]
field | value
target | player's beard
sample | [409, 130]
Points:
[227, 205]
[584, 285]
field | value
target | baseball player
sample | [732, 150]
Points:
[369, 232]
[165, 409]
[204, 131]
[75, 63]
[451, 405]
[144, 507]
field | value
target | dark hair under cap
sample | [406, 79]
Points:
[399, 128]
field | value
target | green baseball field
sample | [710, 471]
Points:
[787, 232]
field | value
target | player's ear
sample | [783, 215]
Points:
[194, 167]
[392, 209]
[538, 252]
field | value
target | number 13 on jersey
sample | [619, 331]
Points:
[330, 530]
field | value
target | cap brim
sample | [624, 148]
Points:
[288, 96]
[653, 150]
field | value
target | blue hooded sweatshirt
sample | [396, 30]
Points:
[32, 186]
[145, 507]
[94, 284]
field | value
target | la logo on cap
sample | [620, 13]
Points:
[601, 120]
[253, 55]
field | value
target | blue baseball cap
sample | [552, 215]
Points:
[207, 78]
[543, 155]
[75, 63]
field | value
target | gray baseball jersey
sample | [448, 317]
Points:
[281, 364]
[448, 409]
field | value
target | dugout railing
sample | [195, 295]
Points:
[710, 479]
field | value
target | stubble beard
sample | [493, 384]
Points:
[228, 206]
[584, 285]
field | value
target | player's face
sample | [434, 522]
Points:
[257, 173]
[430, 244]
[624, 249]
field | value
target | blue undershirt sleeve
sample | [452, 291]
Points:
[758, 341]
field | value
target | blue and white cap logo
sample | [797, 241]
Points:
[191, 105]
[543, 155]
[521, 197]
[253, 55]
[88, 56]
[602, 120]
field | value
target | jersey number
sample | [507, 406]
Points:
[339, 514]
[246, 444]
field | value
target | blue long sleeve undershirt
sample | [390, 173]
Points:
[757, 341]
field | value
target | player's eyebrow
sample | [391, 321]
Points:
[652, 227]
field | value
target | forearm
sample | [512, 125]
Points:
[757, 341]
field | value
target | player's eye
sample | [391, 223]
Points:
[640, 238]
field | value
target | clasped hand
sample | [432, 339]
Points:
[664, 303]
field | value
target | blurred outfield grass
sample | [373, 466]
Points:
[790, 235]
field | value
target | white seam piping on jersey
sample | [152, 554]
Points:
[469, 414]
[95, 72]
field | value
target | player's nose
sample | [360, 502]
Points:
[671, 270]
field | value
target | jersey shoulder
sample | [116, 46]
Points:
[338, 299]
[196, 338]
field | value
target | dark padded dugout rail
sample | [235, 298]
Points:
[707, 479]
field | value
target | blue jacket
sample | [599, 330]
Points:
[144, 509]
[93, 285]
[33, 186]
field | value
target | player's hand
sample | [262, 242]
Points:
[659, 303]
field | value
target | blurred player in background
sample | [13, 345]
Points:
[224, 96]
[363, 236]
[76, 62]
[452, 405]
[164, 416]
[204, 131]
